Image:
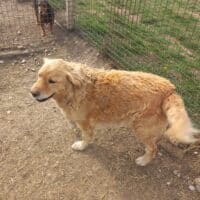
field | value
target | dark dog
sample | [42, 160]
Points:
[44, 14]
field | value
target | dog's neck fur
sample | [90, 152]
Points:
[73, 102]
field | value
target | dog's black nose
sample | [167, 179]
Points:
[35, 93]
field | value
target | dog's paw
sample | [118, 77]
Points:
[141, 161]
[79, 145]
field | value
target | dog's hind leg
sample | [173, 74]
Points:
[149, 131]
[43, 30]
[87, 136]
[51, 24]
[150, 152]
[51, 27]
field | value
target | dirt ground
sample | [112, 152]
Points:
[36, 159]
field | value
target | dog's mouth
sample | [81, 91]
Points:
[45, 99]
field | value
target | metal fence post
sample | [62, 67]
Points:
[70, 14]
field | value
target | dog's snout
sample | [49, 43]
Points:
[35, 93]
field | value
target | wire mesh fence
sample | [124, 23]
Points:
[18, 24]
[144, 28]
[159, 36]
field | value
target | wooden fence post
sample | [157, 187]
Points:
[70, 14]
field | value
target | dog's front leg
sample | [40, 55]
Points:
[51, 27]
[87, 136]
[43, 30]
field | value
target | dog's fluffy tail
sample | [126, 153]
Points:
[180, 127]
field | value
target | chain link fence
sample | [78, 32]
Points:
[142, 30]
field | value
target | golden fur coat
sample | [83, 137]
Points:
[146, 103]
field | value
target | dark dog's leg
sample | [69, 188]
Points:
[52, 22]
[43, 29]
[51, 27]
[36, 10]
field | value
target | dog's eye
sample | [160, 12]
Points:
[51, 81]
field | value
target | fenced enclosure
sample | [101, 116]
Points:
[159, 36]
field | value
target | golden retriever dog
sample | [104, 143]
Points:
[146, 103]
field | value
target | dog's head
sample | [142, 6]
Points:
[42, 6]
[56, 79]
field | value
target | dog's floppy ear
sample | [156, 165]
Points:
[75, 81]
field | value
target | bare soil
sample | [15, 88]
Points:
[36, 159]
